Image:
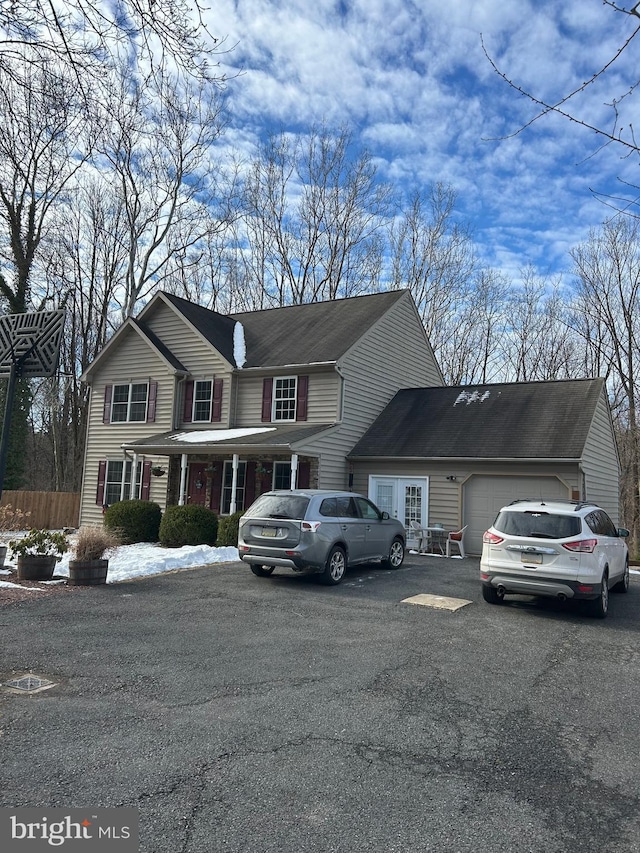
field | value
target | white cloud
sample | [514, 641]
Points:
[412, 80]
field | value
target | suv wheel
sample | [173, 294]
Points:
[335, 567]
[262, 571]
[396, 555]
[490, 595]
[623, 585]
[599, 607]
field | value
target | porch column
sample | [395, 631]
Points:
[234, 482]
[183, 479]
[132, 484]
[294, 470]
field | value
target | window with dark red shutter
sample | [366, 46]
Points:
[302, 398]
[102, 473]
[187, 413]
[267, 393]
[153, 395]
[216, 409]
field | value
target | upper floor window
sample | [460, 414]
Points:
[129, 402]
[284, 398]
[202, 400]
[202, 397]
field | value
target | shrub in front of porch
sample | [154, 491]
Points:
[134, 521]
[228, 530]
[188, 525]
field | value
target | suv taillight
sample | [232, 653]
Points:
[582, 546]
[491, 538]
[310, 525]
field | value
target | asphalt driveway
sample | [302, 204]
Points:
[243, 714]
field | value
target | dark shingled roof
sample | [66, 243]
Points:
[160, 346]
[216, 328]
[526, 420]
[295, 334]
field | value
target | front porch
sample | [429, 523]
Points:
[229, 484]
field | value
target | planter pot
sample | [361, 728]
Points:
[3, 555]
[88, 572]
[36, 567]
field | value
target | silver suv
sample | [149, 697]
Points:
[558, 549]
[316, 531]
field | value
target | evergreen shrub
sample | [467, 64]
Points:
[134, 521]
[228, 530]
[188, 525]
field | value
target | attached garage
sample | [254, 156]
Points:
[484, 495]
[481, 447]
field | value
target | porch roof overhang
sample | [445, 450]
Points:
[257, 439]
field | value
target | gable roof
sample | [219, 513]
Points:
[523, 420]
[313, 333]
[132, 324]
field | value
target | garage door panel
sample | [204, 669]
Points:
[485, 495]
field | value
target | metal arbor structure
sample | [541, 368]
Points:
[29, 347]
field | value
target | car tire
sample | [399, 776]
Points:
[599, 607]
[623, 584]
[262, 571]
[490, 595]
[335, 566]
[396, 555]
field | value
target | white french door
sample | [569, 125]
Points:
[404, 498]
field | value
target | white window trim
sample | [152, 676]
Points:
[243, 488]
[124, 486]
[277, 379]
[129, 402]
[276, 463]
[195, 420]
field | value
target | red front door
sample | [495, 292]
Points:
[197, 485]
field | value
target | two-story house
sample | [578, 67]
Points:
[191, 406]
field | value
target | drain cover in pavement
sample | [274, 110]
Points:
[441, 602]
[29, 683]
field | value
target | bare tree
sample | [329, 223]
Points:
[157, 150]
[539, 345]
[608, 271]
[471, 351]
[432, 254]
[314, 219]
[86, 37]
[621, 130]
[43, 144]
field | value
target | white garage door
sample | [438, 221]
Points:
[485, 495]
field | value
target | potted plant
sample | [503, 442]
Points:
[90, 564]
[158, 471]
[38, 552]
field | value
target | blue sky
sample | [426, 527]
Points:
[411, 80]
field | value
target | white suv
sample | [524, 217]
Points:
[558, 549]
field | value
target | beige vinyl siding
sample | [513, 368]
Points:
[600, 463]
[323, 396]
[446, 496]
[393, 354]
[133, 361]
[199, 358]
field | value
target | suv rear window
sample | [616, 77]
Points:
[279, 506]
[537, 525]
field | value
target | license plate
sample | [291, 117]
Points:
[269, 531]
[531, 558]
